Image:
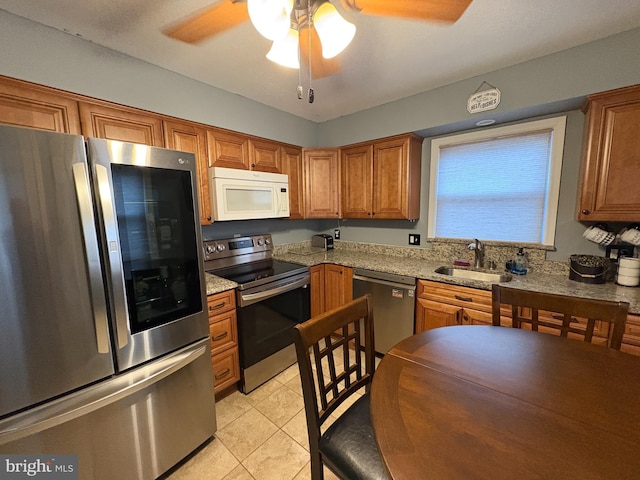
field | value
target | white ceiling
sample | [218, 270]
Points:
[388, 59]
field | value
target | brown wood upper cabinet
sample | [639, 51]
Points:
[381, 179]
[25, 105]
[228, 149]
[611, 157]
[192, 137]
[321, 177]
[121, 123]
[264, 155]
[290, 163]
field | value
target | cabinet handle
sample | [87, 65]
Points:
[253, 165]
[218, 306]
[464, 299]
[223, 374]
[220, 337]
[586, 212]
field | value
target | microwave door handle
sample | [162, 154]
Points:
[116, 276]
[92, 255]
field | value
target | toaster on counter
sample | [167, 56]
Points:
[323, 240]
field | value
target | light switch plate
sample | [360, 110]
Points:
[336, 234]
[414, 239]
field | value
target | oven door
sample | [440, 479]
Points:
[266, 317]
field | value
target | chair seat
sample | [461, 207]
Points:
[349, 447]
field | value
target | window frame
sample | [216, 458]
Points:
[558, 127]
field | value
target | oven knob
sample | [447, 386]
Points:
[210, 249]
[219, 247]
[267, 241]
[261, 241]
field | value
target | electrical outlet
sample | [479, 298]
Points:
[336, 234]
[414, 239]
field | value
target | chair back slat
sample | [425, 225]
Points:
[567, 310]
[333, 342]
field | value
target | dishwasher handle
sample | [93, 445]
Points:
[404, 286]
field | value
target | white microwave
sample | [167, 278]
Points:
[248, 195]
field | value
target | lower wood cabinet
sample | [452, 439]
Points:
[631, 339]
[331, 287]
[223, 332]
[443, 305]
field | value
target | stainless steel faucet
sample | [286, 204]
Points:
[478, 250]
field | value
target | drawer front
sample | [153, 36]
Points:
[221, 302]
[455, 295]
[226, 369]
[632, 333]
[223, 332]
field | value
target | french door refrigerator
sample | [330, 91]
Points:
[104, 349]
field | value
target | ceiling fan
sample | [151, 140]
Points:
[311, 32]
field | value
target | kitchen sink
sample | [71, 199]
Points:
[481, 275]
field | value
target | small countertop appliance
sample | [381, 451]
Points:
[322, 240]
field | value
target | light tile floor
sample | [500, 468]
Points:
[261, 436]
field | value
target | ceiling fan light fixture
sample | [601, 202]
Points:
[334, 31]
[272, 18]
[284, 51]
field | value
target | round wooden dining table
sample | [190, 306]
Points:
[483, 402]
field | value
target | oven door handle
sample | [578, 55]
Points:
[251, 298]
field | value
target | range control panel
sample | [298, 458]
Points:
[231, 247]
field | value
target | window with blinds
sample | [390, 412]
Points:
[500, 184]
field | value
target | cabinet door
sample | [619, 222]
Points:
[611, 158]
[321, 176]
[338, 285]
[631, 339]
[190, 137]
[26, 105]
[264, 155]
[356, 165]
[317, 289]
[396, 178]
[431, 314]
[291, 165]
[122, 123]
[476, 317]
[227, 149]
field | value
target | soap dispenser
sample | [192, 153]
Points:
[520, 264]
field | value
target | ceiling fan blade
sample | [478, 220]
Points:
[437, 10]
[211, 21]
[320, 66]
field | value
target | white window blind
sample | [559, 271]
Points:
[499, 184]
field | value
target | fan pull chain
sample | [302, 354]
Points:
[310, 21]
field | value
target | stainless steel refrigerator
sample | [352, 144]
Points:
[104, 348]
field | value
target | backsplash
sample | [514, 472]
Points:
[449, 250]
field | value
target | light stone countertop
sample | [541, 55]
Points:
[217, 284]
[425, 269]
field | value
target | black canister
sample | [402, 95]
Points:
[588, 268]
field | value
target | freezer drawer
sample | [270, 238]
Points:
[135, 426]
[393, 299]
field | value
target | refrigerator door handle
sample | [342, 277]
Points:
[99, 396]
[98, 301]
[116, 275]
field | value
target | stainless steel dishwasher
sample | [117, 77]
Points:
[393, 304]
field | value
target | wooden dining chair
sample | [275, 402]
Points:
[560, 313]
[333, 370]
